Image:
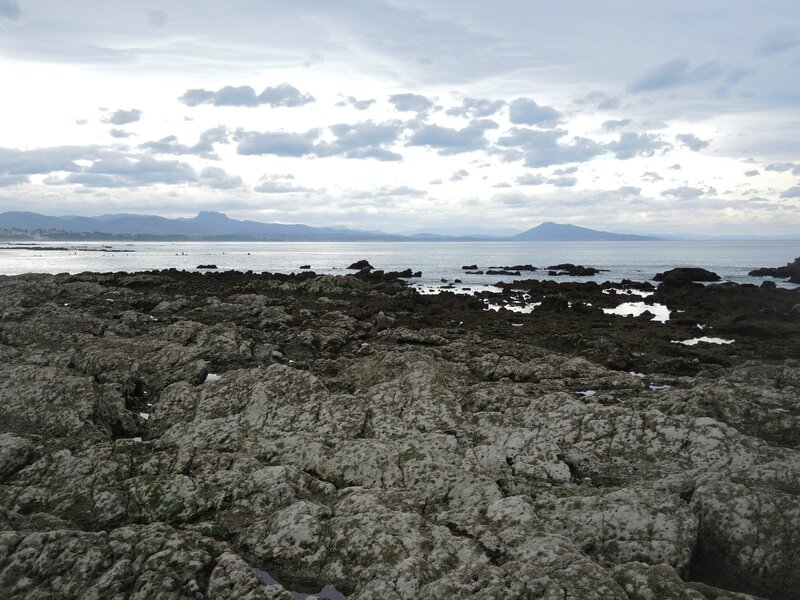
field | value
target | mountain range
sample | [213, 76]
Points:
[214, 225]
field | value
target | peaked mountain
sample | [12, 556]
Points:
[556, 232]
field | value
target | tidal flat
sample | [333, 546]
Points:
[173, 434]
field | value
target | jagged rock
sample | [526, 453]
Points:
[572, 270]
[361, 265]
[686, 275]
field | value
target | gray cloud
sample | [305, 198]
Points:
[217, 178]
[459, 175]
[684, 192]
[524, 111]
[752, 173]
[364, 140]
[778, 41]
[676, 72]
[530, 179]
[40, 161]
[636, 144]
[278, 143]
[542, 148]
[10, 10]
[453, 141]
[123, 117]
[566, 171]
[355, 103]
[793, 192]
[599, 100]
[119, 133]
[476, 108]
[156, 18]
[81, 121]
[279, 184]
[9, 180]
[614, 125]
[651, 176]
[120, 171]
[692, 141]
[203, 148]
[411, 103]
[783, 167]
[562, 181]
[281, 95]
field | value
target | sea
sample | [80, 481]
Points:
[440, 262]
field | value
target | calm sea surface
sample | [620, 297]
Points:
[441, 260]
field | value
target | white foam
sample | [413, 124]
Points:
[528, 308]
[634, 309]
[635, 374]
[629, 292]
[587, 393]
[705, 339]
[655, 387]
[212, 377]
[144, 415]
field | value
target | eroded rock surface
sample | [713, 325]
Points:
[451, 456]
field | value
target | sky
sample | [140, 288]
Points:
[407, 115]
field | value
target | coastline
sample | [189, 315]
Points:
[562, 447]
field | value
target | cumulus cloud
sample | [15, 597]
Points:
[459, 175]
[476, 108]
[531, 179]
[217, 178]
[124, 171]
[599, 100]
[9, 180]
[632, 144]
[524, 111]
[364, 140]
[793, 192]
[411, 103]
[616, 124]
[278, 143]
[692, 141]
[355, 103]
[10, 10]
[280, 95]
[651, 176]
[562, 181]
[119, 133]
[676, 72]
[40, 161]
[203, 148]
[752, 173]
[784, 167]
[123, 117]
[453, 141]
[566, 171]
[544, 148]
[684, 192]
[279, 184]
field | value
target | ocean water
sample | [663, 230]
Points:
[638, 261]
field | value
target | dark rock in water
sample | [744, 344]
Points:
[305, 266]
[517, 268]
[361, 265]
[206, 266]
[686, 275]
[502, 272]
[768, 285]
[572, 270]
[791, 271]
[473, 267]
[417, 274]
[457, 281]
[557, 302]
[474, 272]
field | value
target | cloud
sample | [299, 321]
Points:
[692, 141]
[281, 95]
[566, 171]
[543, 148]
[562, 181]
[203, 148]
[652, 176]
[675, 167]
[615, 125]
[81, 121]
[118, 171]
[156, 18]
[364, 140]
[9, 180]
[357, 104]
[676, 72]
[783, 167]
[599, 100]
[459, 175]
[40, 161]
[119, 133]
[123, 117]
[411, 103]
[453, 141]
[530, 179]
[778, 41]
[278, 143]
[476, 108]
[752, 173]
[793, 192]
[10, 10]
[684, 192]
[524, 111]
[632, 144]
[279, 184]
[217, 178]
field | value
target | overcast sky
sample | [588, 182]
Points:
[407, 115]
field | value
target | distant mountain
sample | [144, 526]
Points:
[556, 232]
[204, 226]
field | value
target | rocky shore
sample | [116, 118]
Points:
[238, 435]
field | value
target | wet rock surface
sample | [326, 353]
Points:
[573, 454]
